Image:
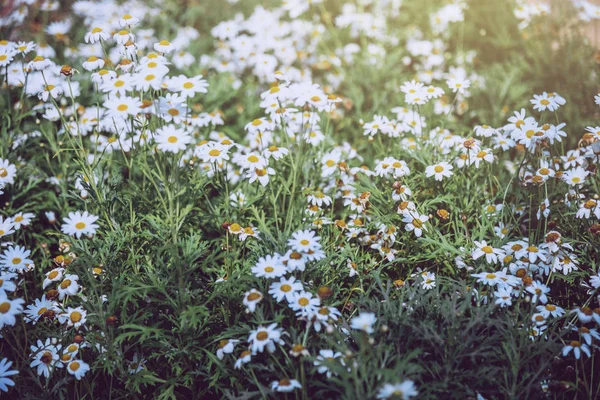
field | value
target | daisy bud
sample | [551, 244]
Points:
[67, 70]
[399, 283]
[443, 214]
[469, 143]
[384, 328]
[111, 320]
[595, 229]
[52, 294]
[329, 329]
[324, 292]
[371, 341]
[78, 339]
[49, 314]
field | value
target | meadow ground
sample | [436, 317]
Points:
[359, 199]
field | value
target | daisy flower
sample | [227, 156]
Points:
[364, 322]
[123, 107]
[213, 153]
[128, 20]
[9, 309]
[50, 91]
[6, 226]
[265, 337]
[415, 222]
[575, 176]
[492, 255]
[244, 358]
[458, 85]
[251, 299]
[6, 57]
[269, 267]
[21, 219]
[304, 241]
[35, 311]
[123, 36]
[95, 35]
[188, 87]
[6, 283]
[539, 291]
[74, 317]
[45, 357]
[93, 63]
[550, 310]
[577, 348]
[144, 80]
[439, 171]
[503, 296]
[15, 258]
[68, 287]
[488, 278]
[164, 46]
[172, 139]
[8, 172]
[5, 373]
[325, 357]
[39, 63]
[404, 391]
[226, 347]
[78, 369]
[304, 303]
[285, 385]
[79, 223]
[285, 289]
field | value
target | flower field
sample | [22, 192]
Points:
[326, 199]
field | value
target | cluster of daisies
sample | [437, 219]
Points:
[15, 261]
[281, 271]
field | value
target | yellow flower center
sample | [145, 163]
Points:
[172, 139]
[4, 307]
[285, 288]
[65, 284]
[253, 296]
[80, 225]
[74, 366]
[438, 169]
[75, 316]
[303, 301]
